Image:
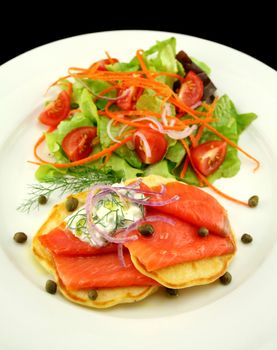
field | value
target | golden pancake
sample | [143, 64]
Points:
[107, 297]
[187, 274]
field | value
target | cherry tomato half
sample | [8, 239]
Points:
[56, 111]
[103, 63]
[208, 156]
[192, 89]
[131, 95]
[77, 144]
[150, 145]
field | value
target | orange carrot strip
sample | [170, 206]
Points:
[142, 64]
[74, 111]
[89, 158]
[199, 134]
[167, 74]
[185, 167]
[205, 180]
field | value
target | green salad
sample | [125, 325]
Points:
[156, 114]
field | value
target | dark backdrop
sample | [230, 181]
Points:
[252, 33]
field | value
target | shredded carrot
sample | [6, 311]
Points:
[185, 168]
[87, 159]
[199, 134]
[168, 74]
[205, 180]
[144, 68]
[76, 110]
[109, 57]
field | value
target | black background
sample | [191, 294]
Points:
[252, 33]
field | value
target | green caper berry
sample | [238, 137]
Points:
[253, 201]
[203, 232]
[20, 237]
[42, 199]
[74, 105]
[246, 238]
[146, 230]
[226, 278]
[92, 294]
[172, 292]
[71, 203]
[51, 287]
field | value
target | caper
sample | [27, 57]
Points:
[51, 287]
[92, 294]
[226, 278]
[71, 203]
[74, 105]
[172, 292]
[253, 201]
[203, 232]
[146, 230]
[42, 199]
[20, 237]
[246, 238]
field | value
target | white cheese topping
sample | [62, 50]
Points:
[110, 214]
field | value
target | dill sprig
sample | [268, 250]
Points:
[79, 180]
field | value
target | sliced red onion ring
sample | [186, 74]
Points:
[197, 104]
[153, 203]
[179, 135]
[166, 111]
[109, 132]
[121, 255]
[124, 94]
[93, 197]
[147, 148]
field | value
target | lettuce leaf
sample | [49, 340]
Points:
[244, 120]
[202, 65]
[121, 167]
[176, 153]
[161, 168]
[88, 107]
[161, 58]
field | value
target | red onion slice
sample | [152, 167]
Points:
[109, 132]
[153, 203]
[124, 94]
[121, 255]
[179, 135]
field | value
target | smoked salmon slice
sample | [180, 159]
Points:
[101, 271]
[174, 244]
[194, 206]
[63, 242]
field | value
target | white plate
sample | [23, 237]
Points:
[242, 315]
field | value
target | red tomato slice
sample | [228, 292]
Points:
[77, 144]
[131, 95]
[56, 111]
[103, 63]
[150, 146]
[192, 89]
[208, 156]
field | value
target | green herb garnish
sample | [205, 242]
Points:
[79, 180]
